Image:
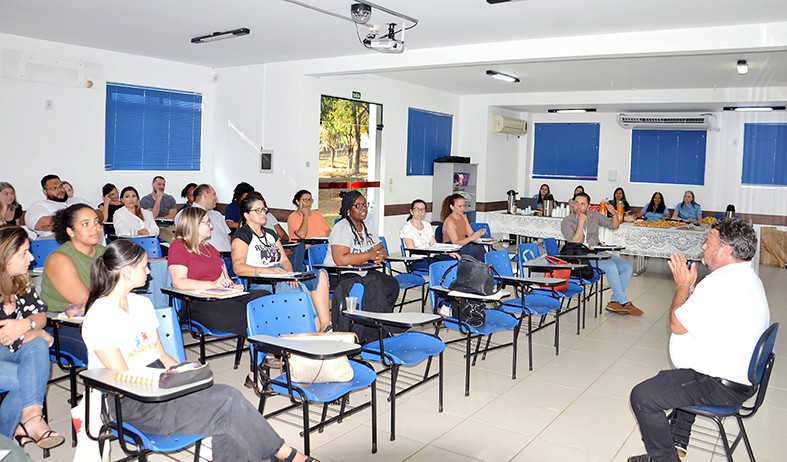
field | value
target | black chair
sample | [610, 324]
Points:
[760, 369]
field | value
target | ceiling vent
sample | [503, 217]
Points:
[668, 121]
[508, 125]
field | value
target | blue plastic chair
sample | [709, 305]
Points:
[316, 255]
[760, 368]
[550, 246]
[406, 349]
[146, 443]
[406, 282]
[529, 251]
[151, 244]
[419, 269]
[443, 273]
[438, 233]
[71, 364]
[528, 305]
[291, 313]
[200, 332]
[41, 248]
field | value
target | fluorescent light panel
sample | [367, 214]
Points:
[754, 108]
[504, 77]
[571, 110]
[216, 36]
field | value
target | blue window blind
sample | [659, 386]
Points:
[668, 156]
[428, 137]
[566, 151]
[765, 154]
[152, 129]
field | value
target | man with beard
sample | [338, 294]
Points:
[39, 215]
[160, 204]
[715, 325]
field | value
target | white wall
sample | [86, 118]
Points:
[68, 140]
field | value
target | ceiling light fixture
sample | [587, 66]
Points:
[754, 108]
[743, 67]
[216, 36]
[504, 77]
[572, 110]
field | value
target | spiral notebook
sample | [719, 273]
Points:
[142, 376]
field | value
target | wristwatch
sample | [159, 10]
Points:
[32, 325]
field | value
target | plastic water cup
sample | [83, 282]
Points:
[350, 303]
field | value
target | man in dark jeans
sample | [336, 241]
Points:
[715, 327]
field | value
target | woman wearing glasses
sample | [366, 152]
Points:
[305, 223]
[351, 243]
[257, 250]
[418, 234]
[196, 265]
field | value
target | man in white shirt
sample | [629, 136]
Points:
[205, 198]
[715, 327]
[39, 216]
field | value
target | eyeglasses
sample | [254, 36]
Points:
[262, 210]
[361, 205]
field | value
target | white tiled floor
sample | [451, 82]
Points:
[571, 407]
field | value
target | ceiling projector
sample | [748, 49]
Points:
[386, 43]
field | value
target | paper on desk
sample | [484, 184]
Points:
[444, 247]
[494, 297]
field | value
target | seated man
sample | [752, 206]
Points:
[205, 198]
[160, 204]
[582, 226]
[715, 327]
[39, 216]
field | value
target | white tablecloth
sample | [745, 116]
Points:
[638, 240]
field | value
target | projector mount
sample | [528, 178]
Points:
[360, 13]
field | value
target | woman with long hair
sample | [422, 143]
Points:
[120, 329]
[196, 265]
[132, 220]
[10, 210]
[66, 278]
[619, 198]
[457, 229]
[418, 234]
[257, 250]
[688, 210]
[654, 210]
[106, 209]
[24, 346]
[543, 194]
[351, 243]
[306, 222]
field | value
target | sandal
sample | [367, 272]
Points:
[291, 457]
[48, 440]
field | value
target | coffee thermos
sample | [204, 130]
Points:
[512, 202]
[730, 213]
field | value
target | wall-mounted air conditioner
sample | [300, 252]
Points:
[668, 121]
[508, 125]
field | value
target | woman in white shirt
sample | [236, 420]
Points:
[120, 330]
[131, 220]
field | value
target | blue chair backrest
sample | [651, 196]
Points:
[169, 333]
[500, 261]
[287, 313]
[762, 351]
[317, 253]
[550, 246]
[40, 250]
[151, 245]
[436, 272]
[484, 226]
[438, 233]
[524, 252]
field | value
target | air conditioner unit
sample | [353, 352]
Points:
[668, 121]
[508, 125]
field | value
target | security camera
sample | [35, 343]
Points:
[360, 13]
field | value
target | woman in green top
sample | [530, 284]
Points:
[67, 269]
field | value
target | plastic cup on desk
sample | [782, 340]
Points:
[350, 303]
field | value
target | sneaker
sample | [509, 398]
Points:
[642, 458]
[633, 310]
[617, 308]
[682, 449]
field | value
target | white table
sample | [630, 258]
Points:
[638, 241]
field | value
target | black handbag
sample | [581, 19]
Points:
[473, 277]
[576, 248]
[468, 311]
